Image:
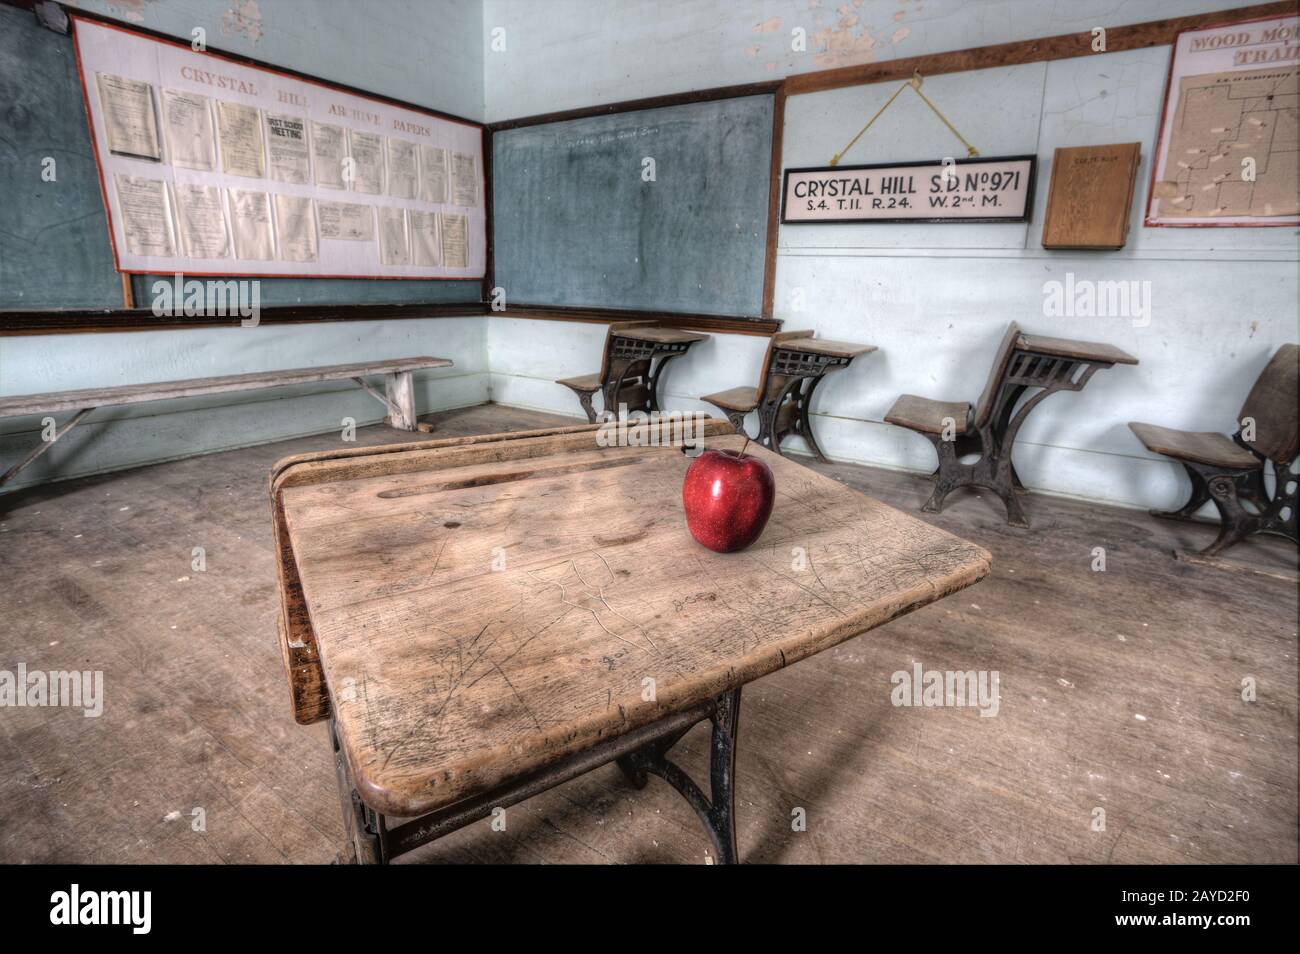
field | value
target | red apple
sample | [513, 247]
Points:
[728, 497]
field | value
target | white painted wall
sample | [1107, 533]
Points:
[934, 298]
[409, 49]
[566, 54]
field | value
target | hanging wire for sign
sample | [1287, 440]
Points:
[915, 84]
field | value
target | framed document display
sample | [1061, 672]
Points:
[212, 165]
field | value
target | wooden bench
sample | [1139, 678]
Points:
[398, 394]
[631, 365]
[1024, 363]
[1230, 470]
[793, 366]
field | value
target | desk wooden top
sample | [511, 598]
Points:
[836, 349]
[1078, 350]
[658, 335]
[448, 676]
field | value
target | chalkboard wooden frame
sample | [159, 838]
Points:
[129, 318]
[80, 320]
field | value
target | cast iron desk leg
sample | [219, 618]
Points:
[657, 373]
[717, 812]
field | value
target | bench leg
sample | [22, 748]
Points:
[73, 421]
[400, 391]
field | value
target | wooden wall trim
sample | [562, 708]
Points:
[632, 105]
[719, 324]
[774, 202]
[80, 320]
[1133, 36]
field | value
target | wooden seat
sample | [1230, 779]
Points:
[742, 400]
[1229, 471]
[586, 383]
[927, 416]
[1203, 447]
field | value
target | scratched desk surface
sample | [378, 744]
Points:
[482, 611]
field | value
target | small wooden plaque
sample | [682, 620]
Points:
[1091, 196]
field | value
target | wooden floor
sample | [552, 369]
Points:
[1120, 690]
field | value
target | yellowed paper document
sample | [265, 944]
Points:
[329, 145]
[142, 203]
[433, 174]
[403, 176]
[347, 221]
[454, 230]
[128, 112]
[425, 246]
[464, 180]
[201, 221]
[187, 128]
[367, 151]
[250, 220]
[239, 129]
[295, 221]
[393, 247]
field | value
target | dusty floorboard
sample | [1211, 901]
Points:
[1120, 690]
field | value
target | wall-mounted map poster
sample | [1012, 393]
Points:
[1227, 152]
[216, 166]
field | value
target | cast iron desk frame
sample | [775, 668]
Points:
[1047, 365]
[795, 369]
[643, 353]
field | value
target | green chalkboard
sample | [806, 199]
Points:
[578, 223]
[54, 245]
[54, 249]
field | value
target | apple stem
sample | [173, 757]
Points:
[742, 450]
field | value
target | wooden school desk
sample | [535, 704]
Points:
[484, 618]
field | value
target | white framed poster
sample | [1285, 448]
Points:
[210, 165]
[1227, 154]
